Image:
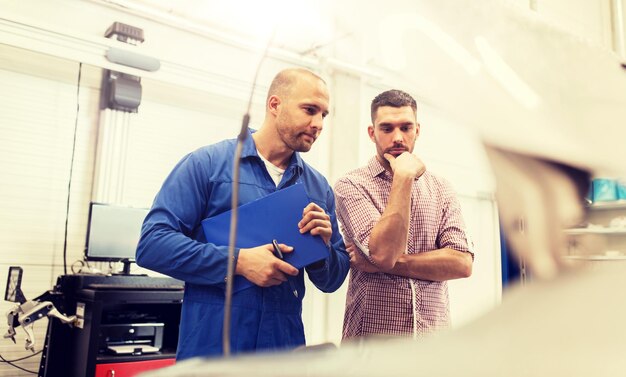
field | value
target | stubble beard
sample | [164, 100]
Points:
[293, 141]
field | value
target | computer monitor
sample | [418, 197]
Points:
[113, 233]
[13, 291]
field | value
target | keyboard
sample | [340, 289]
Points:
[141, 287]
[72, 283]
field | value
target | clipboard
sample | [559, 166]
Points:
[274, 216]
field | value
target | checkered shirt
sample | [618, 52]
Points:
[387, 304]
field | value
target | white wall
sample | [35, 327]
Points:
[37, 118]
[587, 19]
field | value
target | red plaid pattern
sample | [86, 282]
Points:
[387, 304]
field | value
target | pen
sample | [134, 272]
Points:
[280, 255]
[277, 250]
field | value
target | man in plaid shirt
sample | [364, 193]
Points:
[405, 232]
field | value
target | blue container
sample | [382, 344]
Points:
[621, 189]
[604, 190]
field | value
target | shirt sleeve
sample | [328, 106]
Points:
[452, 231]
[331, 275]
[357, 214]
[166, 244]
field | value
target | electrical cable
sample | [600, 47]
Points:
[243, 134]
[82, 264]
[69, 184]
[21, 358]
[10, 362]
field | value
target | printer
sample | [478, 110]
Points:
[130, 338]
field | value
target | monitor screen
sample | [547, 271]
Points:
[113, 232]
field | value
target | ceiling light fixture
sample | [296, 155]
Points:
[506, 76]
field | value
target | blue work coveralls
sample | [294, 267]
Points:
[173, 243]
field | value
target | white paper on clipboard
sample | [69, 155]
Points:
[132, 349]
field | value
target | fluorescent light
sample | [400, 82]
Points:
[506, 76]
[393, 27]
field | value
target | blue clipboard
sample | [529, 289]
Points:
[275, 216]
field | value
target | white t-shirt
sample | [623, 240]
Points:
[275, 172]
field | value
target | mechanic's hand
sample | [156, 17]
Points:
[316, 221]
[262, 267]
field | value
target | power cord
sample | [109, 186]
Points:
[69, 184]
[10, 362]
[243, 134]
[75, 264]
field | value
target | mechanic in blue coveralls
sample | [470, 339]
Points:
[268, 315]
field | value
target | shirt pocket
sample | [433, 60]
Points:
[320, 202]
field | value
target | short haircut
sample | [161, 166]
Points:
[284, 81]
[393, 98]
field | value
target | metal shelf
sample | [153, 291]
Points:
[616, 204]
[609, 231]
[596, 257]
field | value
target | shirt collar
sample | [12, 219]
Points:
[376, 168]
[249, 149]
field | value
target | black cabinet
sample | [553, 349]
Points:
[121, 320]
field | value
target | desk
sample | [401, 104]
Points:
[79, 351]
